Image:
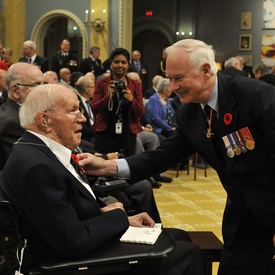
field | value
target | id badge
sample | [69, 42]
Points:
[118, 128]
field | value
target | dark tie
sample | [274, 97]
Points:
[29, 60]
[138, 66]
[88, 102]
[80, 172]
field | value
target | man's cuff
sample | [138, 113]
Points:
[123, 169]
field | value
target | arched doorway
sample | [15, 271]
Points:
[56, 25]
[151, 44]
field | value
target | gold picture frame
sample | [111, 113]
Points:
[246, 21]
[245, 42]
[248, 60]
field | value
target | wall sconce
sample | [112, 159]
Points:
[96, 23]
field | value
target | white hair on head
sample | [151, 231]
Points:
[40, 99]
[163, 84]
[199, 53]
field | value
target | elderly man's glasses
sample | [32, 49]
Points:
[31, 85]
[76, 114]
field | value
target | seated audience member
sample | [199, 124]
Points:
[75, 222]
[148, 140]
[50, 77]
[232, 67]
[19, 78]
[244, 67]
[85, 87]
[64, 75]
[148, 93]
[159, 111]
[261, 73]
[74, 77]
[6, 62]
[91, 75]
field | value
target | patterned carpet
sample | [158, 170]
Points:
[192, 205]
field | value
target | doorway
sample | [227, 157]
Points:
[151, 44]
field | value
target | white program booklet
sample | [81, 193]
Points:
[143, 235]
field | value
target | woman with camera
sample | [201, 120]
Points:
[117, 106]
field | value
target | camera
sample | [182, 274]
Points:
[120, 86]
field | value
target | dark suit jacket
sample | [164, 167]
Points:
[3, 97]
[59, 61]
[248, 178]
[60, 218]
[89, 65]
[10, 129]
[143, 74]
[233, 72]
[41, 62]
[87, 129]
[148, 93]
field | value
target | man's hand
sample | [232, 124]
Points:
[96, 166]
[141, 220]
[112, 206]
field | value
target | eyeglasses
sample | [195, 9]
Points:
[90, 86]
[77, 115]
[32, 85]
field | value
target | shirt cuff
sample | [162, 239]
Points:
[123, 169]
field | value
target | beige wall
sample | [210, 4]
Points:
[14, 25]
[100, 39]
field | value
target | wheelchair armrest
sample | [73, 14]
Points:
[116, 252]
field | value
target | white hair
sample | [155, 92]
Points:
[30, 44]
[198, 51]
[39, 99]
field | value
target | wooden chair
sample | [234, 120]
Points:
[111, 258]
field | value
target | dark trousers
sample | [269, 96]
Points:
[249, 254]
[107, 142]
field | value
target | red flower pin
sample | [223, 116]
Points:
[75, 158]
[227, 118]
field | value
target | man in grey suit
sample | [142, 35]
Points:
[20, 77]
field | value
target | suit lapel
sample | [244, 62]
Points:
[30, 138]
[227, 104]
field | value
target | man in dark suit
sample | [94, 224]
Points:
[64, 58]
[141, 68]
[19, 78]
[148, 93]
[92, 63]
[232, 66]
[61, 216]
[30, 56]
[230, 122]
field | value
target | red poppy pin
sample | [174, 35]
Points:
[75, 158]
[227, 119]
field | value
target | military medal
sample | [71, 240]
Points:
[248, 139]
[233, 143]
[228, 147]
[243, 148]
